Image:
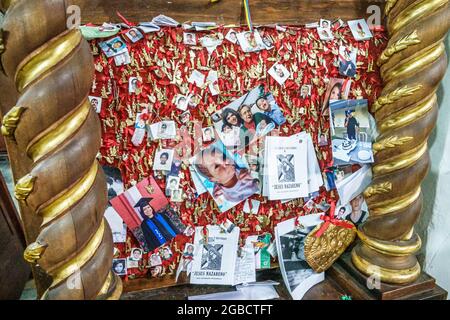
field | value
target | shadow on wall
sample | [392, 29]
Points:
[437, 143]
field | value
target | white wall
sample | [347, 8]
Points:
[434, 225]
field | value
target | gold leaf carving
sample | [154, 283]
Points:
[399, 45]
[394, 96]
[24, 187]
[321, 252]
[383, 187]
[390, 142]
[11, 120]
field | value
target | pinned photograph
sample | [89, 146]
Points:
[232, 36]
[298, 276]
[131, 264]
[166, 253]
[251, 206]
[250, 41]
[227, 226]
[119, 267]
[113, 47]
[140, 121]
[279, 73]
[339, 23]
[181, 102]
[322, 139]
[326, 24]
[360, 29]
[163, 160]
[185, 117]
[143, 209]
[208, 134]
[96, 103]
[155, 260]
[248, 118]
[173, 183]
[189, 39]
[347, 61]
[197, 78]
[134, 35]
[267, 41]
[176, 195]
[337, 89]
[132, 84]
[122, 59]
[356, 211]
[305, 91]
[136, 254]
[226, 177]
[115, 187]
[325, 34]
[156, 271]
[167, 130]
[351, 132]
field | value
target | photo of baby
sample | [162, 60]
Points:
[134, 35]
[279, 73]
[226, 177]
[347, 61]
[248, 118]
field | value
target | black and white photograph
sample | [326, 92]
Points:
[119, 266]
[113, 47]
[279, 73]
[167, 129]
[176, 195]
[212, 257]
[347, 61]
[298, 276]
[136, 254]
[285, 167]
[185, 117]
[208, 134]
[134, 35]
[96, 103]
[181, 102]
[189, 39]
[351, 132]
[247, 119]
[163, 160]
[173, 182]
[166, 253]
[360, 29]
[232, 36]
[326, 24]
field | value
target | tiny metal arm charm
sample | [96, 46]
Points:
[24, 187]
[34, 252]
[11, 120]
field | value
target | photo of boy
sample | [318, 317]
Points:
[305, 91]
[347, 61]
[134, 35]
[228, 181]
[181, 102]
[113, 47]
[270, 108]
[136, 254]
[166, 253]
[163, 160]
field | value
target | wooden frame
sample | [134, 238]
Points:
[412, 67]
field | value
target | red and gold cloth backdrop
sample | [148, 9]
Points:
[163, 65]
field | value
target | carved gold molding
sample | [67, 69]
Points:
[409, 104]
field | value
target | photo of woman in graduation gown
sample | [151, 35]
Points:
[157, 228]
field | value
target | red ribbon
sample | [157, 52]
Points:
[128, 23]
[331, 219]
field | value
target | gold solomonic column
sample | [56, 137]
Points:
[62, 188]
[412, 66]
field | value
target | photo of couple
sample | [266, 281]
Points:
[248, 118]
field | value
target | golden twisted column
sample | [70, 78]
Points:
[412, 66]
[58, 133]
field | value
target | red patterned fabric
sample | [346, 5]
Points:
[154, 58]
